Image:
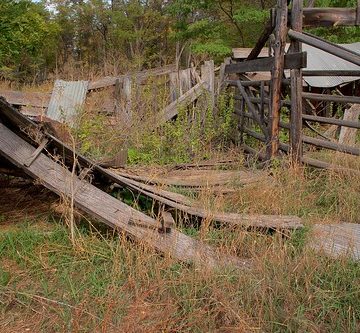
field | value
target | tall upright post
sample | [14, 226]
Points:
[277, 74]
[296, 87]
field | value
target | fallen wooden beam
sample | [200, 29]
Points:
[21, 98]
[106, 208]
[294, 60]
[187, 206]
[336, 240]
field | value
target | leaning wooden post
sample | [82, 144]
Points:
[277, 73]
[296, 87]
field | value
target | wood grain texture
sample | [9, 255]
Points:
[106, 208]
[192, 208]
[336, 240]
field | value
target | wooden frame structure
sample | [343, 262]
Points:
[259, 103]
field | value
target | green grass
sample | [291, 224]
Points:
[106, 284]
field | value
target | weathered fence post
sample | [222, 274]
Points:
[277, 74]
[174, 86]
[296, 87]
[208, 76]
[185, 80]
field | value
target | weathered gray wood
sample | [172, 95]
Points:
[36, 153]
[332, 98]
[296, 86]
[329, 17]
[348, 135]
[185, 80]
[277, 73]
[183, 204]
[330, 166]
[336, 240]
[222, 76]
[172, 109]
[269, 28]
[174, 86]
[196, 178]
[329, 72]
[138, 77]
[332, 145]
[252, 109]
[291, 61]
[28, 99]
[334, 121]
[326, 46]
[104, 207]
[208, 76]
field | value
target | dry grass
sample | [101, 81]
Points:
[106, 283]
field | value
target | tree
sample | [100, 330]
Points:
[27, 40]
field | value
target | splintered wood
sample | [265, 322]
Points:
[195, 178]
[106, 208]
[336, 240]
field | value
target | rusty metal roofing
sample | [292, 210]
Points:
[321, 60]
[66, 100]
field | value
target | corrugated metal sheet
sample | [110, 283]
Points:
[66, 99]
[321, 60]
[317, 60]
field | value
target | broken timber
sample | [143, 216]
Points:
[92, 200]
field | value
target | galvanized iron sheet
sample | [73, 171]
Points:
[321, 60]
[66, 100]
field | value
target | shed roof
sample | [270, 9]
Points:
[321, 60]
[317, 60]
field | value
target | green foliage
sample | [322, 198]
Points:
[338, 34]
[195, 134]
[27, 39]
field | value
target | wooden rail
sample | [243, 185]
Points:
[326, 46]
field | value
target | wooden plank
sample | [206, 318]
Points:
[106, 208]
[252, 109]
[176, 201]
[291, 61]
[330, 166]
[329, 17]
[174, 86]
[331, 72]
[269, 28]
[28, 99]
[296, 87]
[336, 240]
[138, 76]
[331, 145]
[182, 204]
[195, 178]
[333, 121]
[326, 46]
[172, 109]
[332, 98]
[348, 135]
[277, 73]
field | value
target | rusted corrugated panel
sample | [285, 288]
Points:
[66, 100]
[321, 60]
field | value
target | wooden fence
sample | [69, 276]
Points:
[261, 104]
